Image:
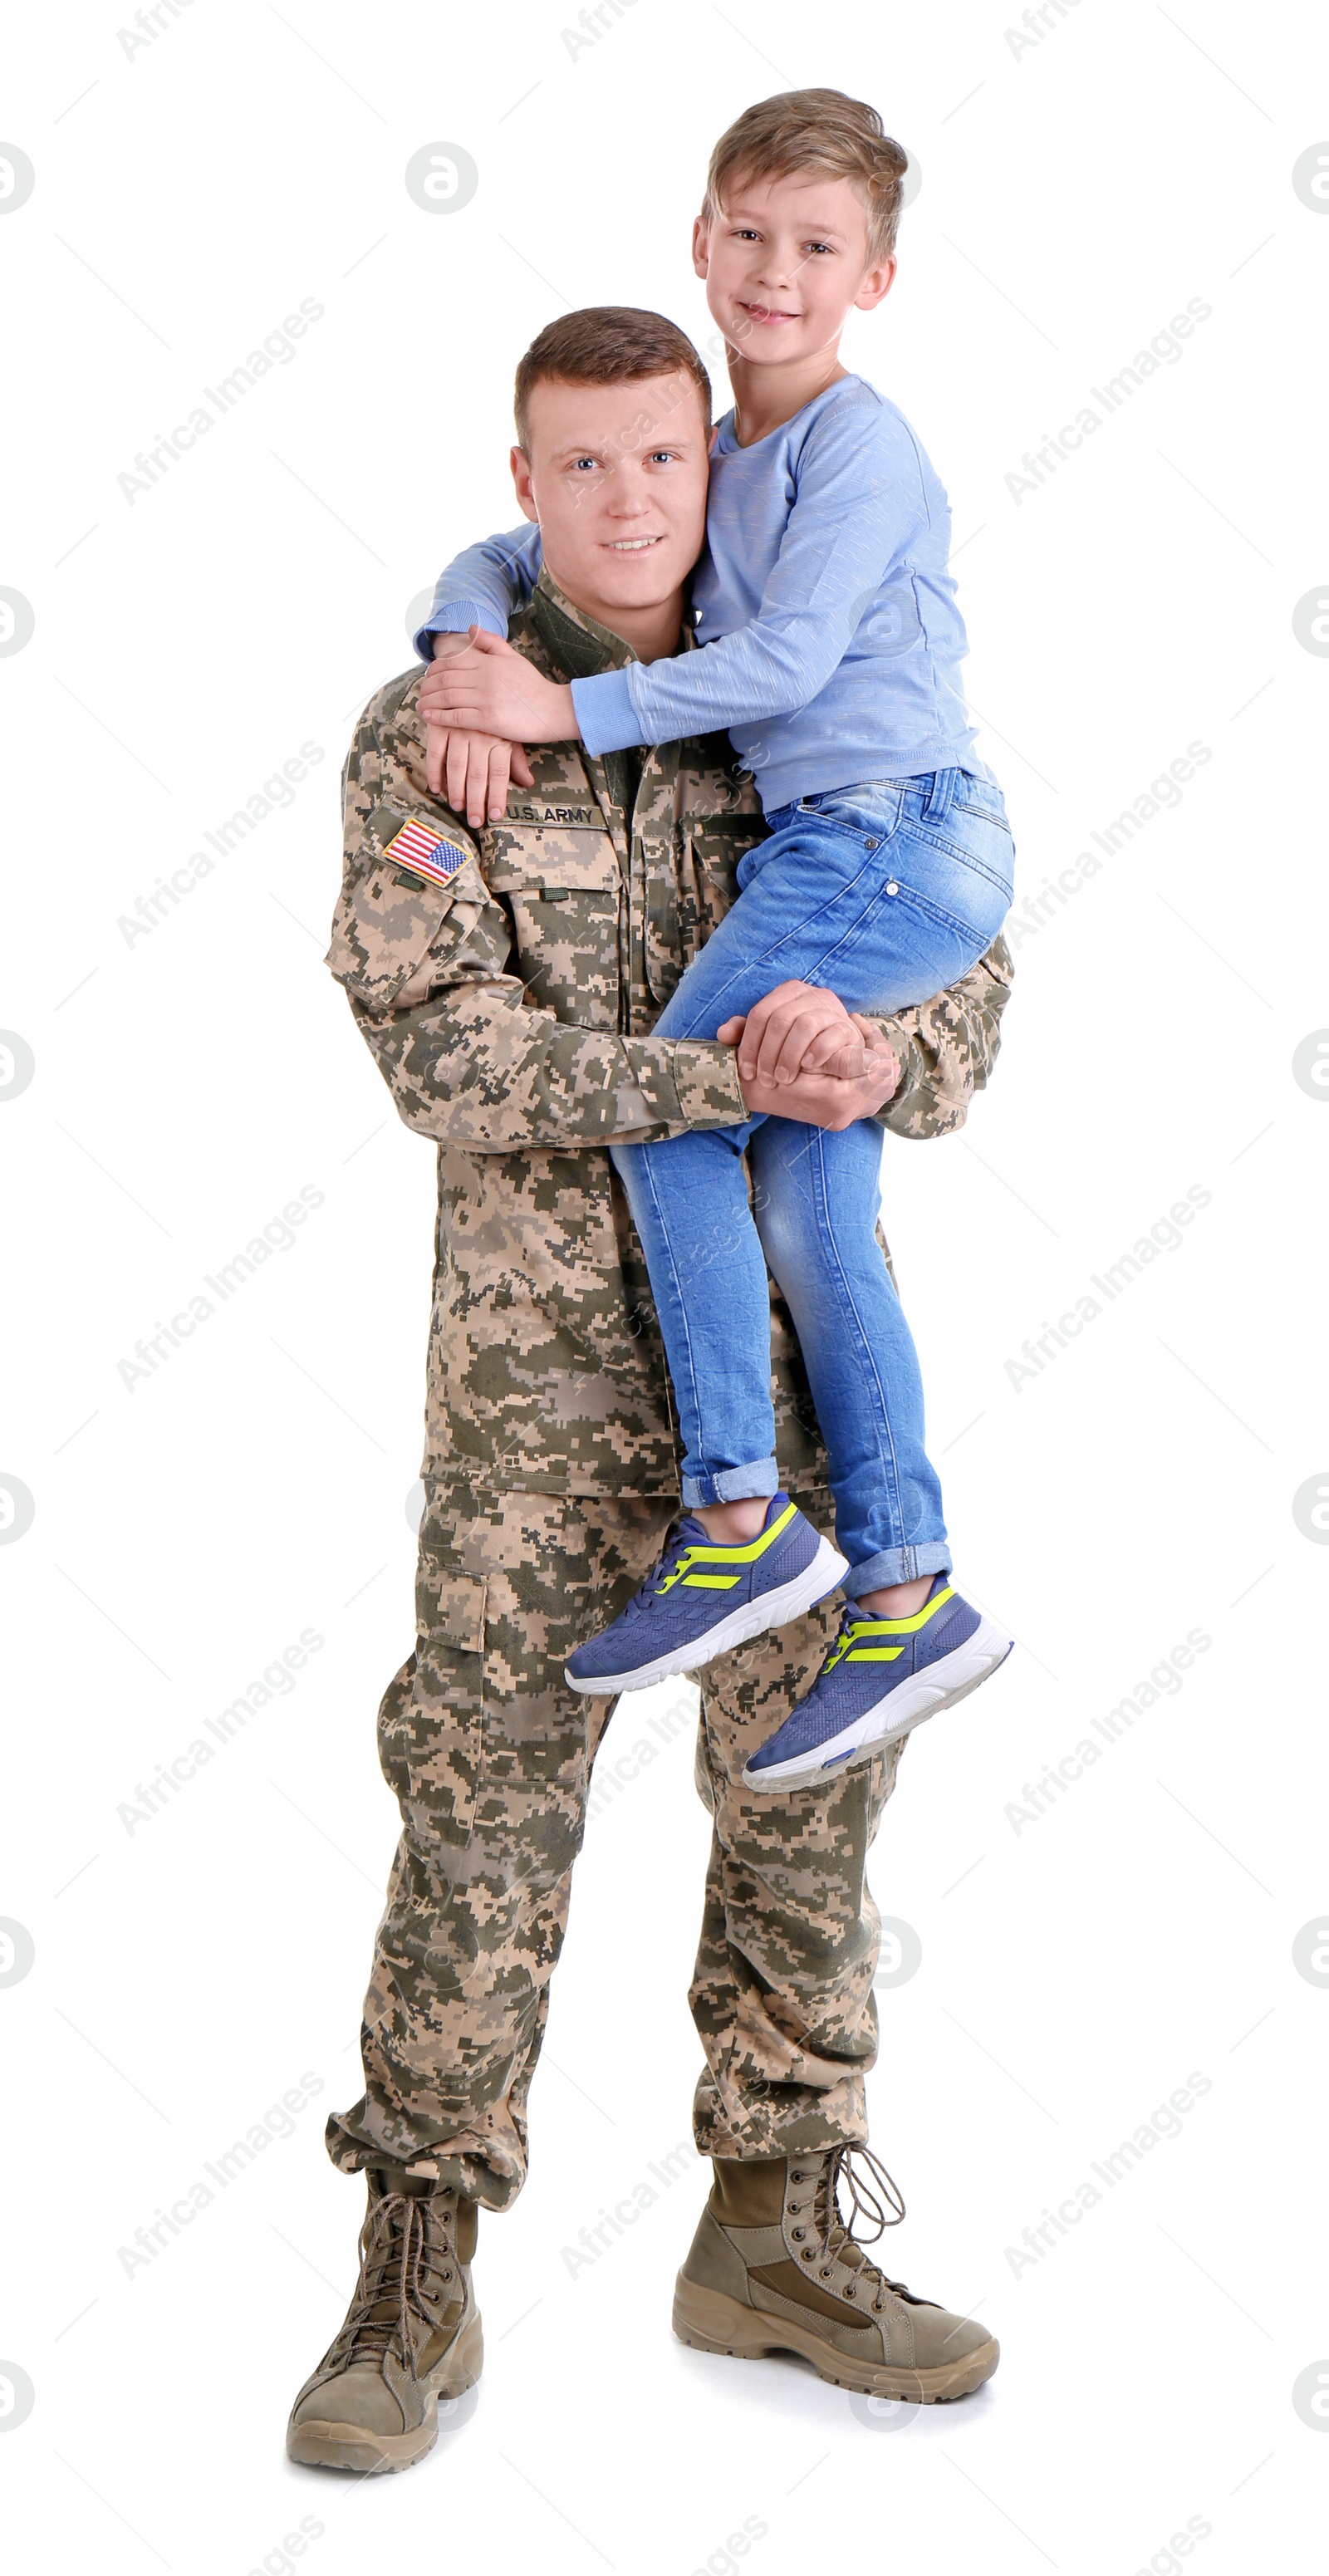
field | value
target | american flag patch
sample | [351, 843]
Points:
[425, 852]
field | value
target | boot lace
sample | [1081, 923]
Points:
[405, 2246]
[834, 2241]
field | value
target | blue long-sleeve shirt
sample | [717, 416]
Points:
[832, 640]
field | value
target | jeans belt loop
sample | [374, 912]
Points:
[941, 795]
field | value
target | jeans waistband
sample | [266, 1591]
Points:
[937, 787]
[941, 793]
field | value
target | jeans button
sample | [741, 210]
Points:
[892, 888]
[870, 845]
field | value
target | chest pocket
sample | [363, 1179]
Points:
[560, 882]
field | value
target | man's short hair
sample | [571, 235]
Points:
[607, 344]
[817, 132]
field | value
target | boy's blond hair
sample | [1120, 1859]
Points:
[815, 130]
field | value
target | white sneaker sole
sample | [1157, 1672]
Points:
[774, 1608]
[951, 1678]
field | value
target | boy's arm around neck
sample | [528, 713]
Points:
[485, 585]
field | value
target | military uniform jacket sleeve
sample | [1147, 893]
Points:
[428, 942]
[947, 1048]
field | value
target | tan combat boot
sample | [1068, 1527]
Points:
[411, 2335]
[773, 2268]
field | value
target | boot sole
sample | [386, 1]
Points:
[322, 2443]
[711, 2322]
[940, 1685]
[774, 1608]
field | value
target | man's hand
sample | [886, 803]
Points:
[820, 1100]
[487, 688]
[796, 1029]
[815, 1097]
[471, 772]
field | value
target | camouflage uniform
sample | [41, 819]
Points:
[509, 1010]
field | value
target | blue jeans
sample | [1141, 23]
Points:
[883, 894]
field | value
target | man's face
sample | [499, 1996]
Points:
[784, 262]
[616, 476]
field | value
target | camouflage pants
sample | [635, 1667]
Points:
[490, 1756]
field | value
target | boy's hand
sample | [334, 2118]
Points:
[796, 1029]
[471, 772]
[487, 688]
[845, 1055]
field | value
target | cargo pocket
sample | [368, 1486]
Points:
[561, 884]
[459, 1610]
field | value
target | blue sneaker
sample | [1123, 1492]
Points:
[881, 1677]
[702, 1599]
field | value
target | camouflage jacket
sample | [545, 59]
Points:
[506, 984]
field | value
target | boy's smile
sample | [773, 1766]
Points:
[785, 261]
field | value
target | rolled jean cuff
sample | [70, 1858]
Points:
[897, 1565]
[732, 1485]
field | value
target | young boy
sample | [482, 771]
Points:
[831, 646]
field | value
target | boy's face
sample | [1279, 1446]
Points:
[784, 262]
[616, 476]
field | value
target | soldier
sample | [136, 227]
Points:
[506, 978]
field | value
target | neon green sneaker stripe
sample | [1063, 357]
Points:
[711, 1582]
[747, 1555]
[904, 1627]
[847, 1644]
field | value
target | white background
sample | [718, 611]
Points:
[1075, 1969]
